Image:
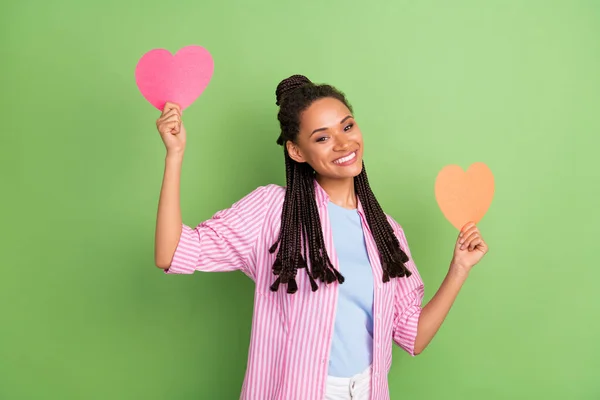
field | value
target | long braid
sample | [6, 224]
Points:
[300, 243]
[391, 255]
[320, 262]
[300, 214]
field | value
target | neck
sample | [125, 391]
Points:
[340, 191]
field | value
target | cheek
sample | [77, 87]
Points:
[359, 140]
[358, 137]
[317, 155]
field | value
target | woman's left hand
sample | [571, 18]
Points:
[469, 249]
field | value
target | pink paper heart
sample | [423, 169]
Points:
[180, 79]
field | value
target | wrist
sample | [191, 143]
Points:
[458, 271]
[174, 155]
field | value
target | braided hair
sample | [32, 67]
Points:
[301, 236]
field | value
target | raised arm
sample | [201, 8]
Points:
[414, 325]
[168, 221]
[227, 241]
[468, 251]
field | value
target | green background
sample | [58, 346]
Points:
[84, 312]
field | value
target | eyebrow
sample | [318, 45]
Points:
[324, 129]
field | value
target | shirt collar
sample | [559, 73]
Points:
[322, 198]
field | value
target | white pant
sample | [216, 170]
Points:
[357, 387]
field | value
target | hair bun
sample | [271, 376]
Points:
[289, 85]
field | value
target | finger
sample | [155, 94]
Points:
[461, 238]
[467, 240]
[467, 233]
[169, 127]
[160, 123]
[169, 113]
[474, 243]
[171, 106]
[171, 118]
[466, 227]
[174, 127]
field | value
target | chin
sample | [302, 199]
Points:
[356, 171]
[349, 172]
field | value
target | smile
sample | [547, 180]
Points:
[349, 159]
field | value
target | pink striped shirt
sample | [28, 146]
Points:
[291, 333]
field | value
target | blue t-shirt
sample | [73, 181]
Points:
[352, 345]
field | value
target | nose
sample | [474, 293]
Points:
[341, 143]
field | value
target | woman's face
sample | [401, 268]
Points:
[329, 140]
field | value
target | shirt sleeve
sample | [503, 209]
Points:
[408, 298]
[226, 242]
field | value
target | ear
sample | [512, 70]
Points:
[294, 152]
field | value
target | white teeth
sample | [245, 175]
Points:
[343, 160]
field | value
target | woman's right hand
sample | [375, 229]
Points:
[171, 128]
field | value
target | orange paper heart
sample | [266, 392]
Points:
[464, 196]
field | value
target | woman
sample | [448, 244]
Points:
[334, 277]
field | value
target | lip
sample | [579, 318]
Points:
[349, 162]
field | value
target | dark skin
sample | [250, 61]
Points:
[329, 132]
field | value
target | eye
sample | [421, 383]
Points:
[322, 139]
[348, 127]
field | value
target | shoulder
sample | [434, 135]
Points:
[263, 196]
[274, 190]
[271, 193]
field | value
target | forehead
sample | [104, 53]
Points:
[323, 113]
